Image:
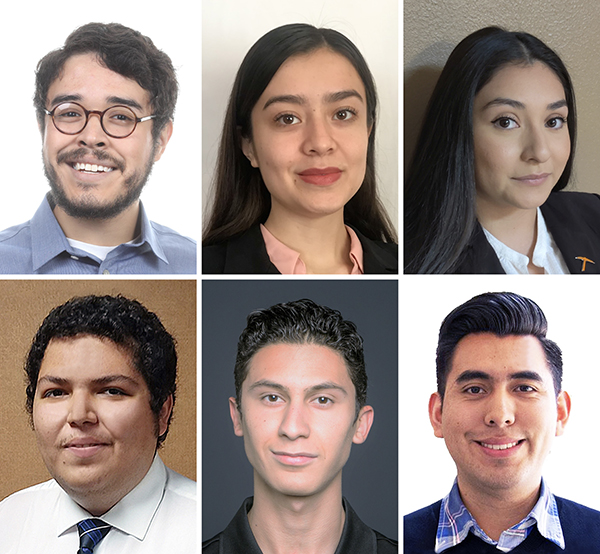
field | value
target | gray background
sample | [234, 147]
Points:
[370, 478]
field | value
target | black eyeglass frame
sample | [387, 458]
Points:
[100, 115]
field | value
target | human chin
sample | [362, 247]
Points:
[87, 205]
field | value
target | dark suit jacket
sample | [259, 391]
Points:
[573, 219]
[247, 253]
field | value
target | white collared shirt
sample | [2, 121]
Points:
[545, 254]
[158, 516]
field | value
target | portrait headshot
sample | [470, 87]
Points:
[492, 182]
[93, 393]
[514, 403]
[299, 154]
[299, 416]
[105, 94]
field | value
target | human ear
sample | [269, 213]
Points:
[435, 414]
[164, 415]
[563, 409]
[236, 417]
[163, 139]
[248, 151]
[363, 424]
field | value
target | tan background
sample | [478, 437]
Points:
[23, 306]
[432, 28]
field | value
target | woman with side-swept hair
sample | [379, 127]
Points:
[497, 144]
[295, 188]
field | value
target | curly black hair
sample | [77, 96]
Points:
[125, 322]
[122, 50]
[302, 322]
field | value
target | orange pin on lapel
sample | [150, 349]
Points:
[584, 260]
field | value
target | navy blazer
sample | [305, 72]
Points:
[247, 254]
[573, 220]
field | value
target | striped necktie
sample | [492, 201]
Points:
[91, 532]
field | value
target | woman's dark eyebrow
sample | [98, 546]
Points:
[519, 105]
[300, 99]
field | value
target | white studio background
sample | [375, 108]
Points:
[426, 469]
[231, 27]
[31, 29]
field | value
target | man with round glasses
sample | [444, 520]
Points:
[104, 104]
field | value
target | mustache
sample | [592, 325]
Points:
[80, 153]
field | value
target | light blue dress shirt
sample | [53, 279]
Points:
[40, 246]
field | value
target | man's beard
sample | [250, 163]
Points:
[88, 207]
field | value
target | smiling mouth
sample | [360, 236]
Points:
[505, 446]
[91, 168]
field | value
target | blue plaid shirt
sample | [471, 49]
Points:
[456, 522]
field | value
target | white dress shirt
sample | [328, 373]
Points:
[156, 517]
[545, 254]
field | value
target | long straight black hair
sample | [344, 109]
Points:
[439, 197]
[241, 198]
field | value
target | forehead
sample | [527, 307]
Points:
[533, 85]
[315, 74]
[499, 356]
[82, 75]
[298, 366]
[86, 357]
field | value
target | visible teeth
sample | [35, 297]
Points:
[94, 168]
[499, 446]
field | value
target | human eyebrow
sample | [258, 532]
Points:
[527, 375]
[333, 97]
[504, 102]
[328, 385]
[556, 105]
[265, 383]
[287, 99]
[124, 102]
[471, 375]
[114, 379]
[65, 98]
[52, 380]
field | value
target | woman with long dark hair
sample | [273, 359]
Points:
[295, 188]
[497, 144]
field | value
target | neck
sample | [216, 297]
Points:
[283, 524]
[515, 227]
[498, 510]
[322, 242]
[101, 232]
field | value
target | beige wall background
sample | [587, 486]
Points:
[432, 28]
[23, 306]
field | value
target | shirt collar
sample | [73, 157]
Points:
[288, 261]
[48, 239]
[131, 515]
[356, 536]
[456, 521]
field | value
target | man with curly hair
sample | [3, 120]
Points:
[104, 105]
[101, 375]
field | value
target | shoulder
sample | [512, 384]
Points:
[179, 250]
[577, 519]
[572, 203]
[385, 545]
[211, 546]
[14, 508]
[181, 486]
[378, 256]
[420, 528]
[16, 249]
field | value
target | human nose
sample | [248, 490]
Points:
[500, 410]
[93, 134]
[319, 139]
[535, 147]
[294, 424]
[81, 410]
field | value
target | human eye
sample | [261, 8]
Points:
[473, 390]
[287, 119]
[525, 388]
[68, 112]
[114, 391]
[323, 401]
[505, 122]
[53, 393]
[272, 399]
[556, 122]
[120, 116]
[345, 114]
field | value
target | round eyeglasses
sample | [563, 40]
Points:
[71, 118]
